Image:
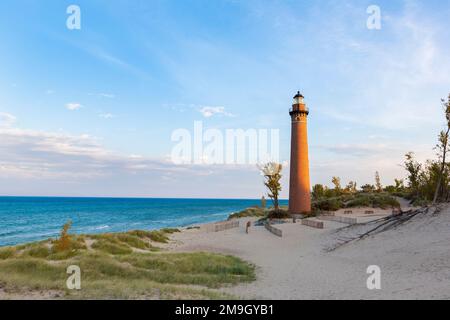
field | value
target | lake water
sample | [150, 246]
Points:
[26, 219]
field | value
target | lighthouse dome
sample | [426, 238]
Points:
[299, 98]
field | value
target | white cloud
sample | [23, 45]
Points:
[106, 115]
[73, 106]
[209, 112]
[7, 119]
[103, 95]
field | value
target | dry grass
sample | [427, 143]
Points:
[121, 265]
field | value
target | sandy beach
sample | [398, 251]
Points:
[414, 258]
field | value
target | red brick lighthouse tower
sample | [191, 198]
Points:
[299, 184]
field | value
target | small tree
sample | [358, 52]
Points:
[64, 242]
[272, 175]
[414, 170]
[350, 188]
[337, 185]
[442, 148]
[378, 185]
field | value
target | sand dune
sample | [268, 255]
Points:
[414, 259]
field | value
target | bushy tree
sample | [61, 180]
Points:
[337, 185]
[368, 188]
[414, 170]
[350, 188]
[318, 191]
[272, 176]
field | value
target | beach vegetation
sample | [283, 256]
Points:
[351, 188]
[272, 175]
[337, 185]
[7, 252]
[373, 200]
[64, 242]
[249, 212]
[170, 230]
[112, 269]
[429, 181]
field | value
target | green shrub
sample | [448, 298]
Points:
[108, 246]
[140, 233]
[420, 202]
[278, 214]
[360, 201]
[332, 204]
[249, 212]
[62, 255]
[158, 236]
[170, 230]
[133, 241]
[40, 251]
[7, 252]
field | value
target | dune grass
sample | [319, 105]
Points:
[373, 200]
[249, 212]
[121, 266]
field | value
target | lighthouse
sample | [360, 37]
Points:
[299, 184]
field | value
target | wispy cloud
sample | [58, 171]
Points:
[209, 112]
[106, 115]
[72, 106]
[103, 95]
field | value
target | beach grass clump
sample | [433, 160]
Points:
[31, 273]
[7, 252]
[155, 235]
[142, 234]
[249, 212]
[170, 230]
[132, 241]
[38, 251]
[159, 236]
[112, 247]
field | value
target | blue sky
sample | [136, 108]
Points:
[138, 70]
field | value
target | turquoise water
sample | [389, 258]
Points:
[26, 219]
